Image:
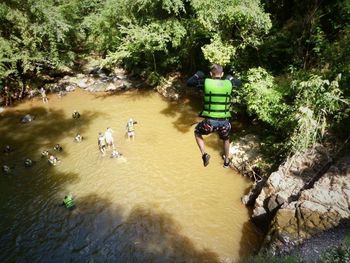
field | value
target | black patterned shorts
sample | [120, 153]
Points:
[207, 126]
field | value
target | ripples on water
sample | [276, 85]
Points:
[158, 204]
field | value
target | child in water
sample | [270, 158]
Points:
[101, 141]
[130, 130]
[53, 160]
[75, 114]
[78, 138]
[45, 153]
[58, 148]
[115, 154]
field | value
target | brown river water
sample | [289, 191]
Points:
[155, 204]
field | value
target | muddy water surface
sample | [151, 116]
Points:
[156, 204]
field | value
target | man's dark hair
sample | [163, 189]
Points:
[216, 69]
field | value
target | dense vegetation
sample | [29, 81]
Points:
[293, 56]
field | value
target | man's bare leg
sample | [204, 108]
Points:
[201, 145]
[227, 152]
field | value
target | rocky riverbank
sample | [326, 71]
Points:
[94, 79]
[308, 196]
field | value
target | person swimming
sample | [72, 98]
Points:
[58, 148]
[78, 138]
[28, 162]
[101, 143]
[116, 154]
[8, 149]
[6, 169]
[75, 114]
[45, 153]
[68, 202]
[27, 118]
[53, 160]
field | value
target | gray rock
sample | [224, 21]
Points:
[317, 209]
[83, 84]
[246, 154]
[111, 87]
[70, 88]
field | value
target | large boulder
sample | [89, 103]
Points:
[286, 184]
[170, 86]
[246, 154]
[322, 207]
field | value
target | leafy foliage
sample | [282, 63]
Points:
[264, 99]
[316, 101]
[338, 254]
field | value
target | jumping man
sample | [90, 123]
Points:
[216, 112]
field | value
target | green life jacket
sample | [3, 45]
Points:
[217, 98]
[68, 202]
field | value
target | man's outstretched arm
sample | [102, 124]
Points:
[235, 82]
[197, 80]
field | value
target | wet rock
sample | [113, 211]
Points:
[291, 178]
[120, 73]
[32, 93]
[70, 88]
[111, 87]
[83, 84]
[250, 198]
[169, 87]
[80, 76]
[98, 86]
[246, 154]
[322, 207]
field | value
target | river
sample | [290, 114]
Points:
[155, 204]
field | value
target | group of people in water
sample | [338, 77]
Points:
[27, 162]
[105, 142]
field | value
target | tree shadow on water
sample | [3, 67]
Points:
[155, 237]
[187, 111]
[132, 94]
[100, 231]
[251, 240]
[48, 127]
[27, 195]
